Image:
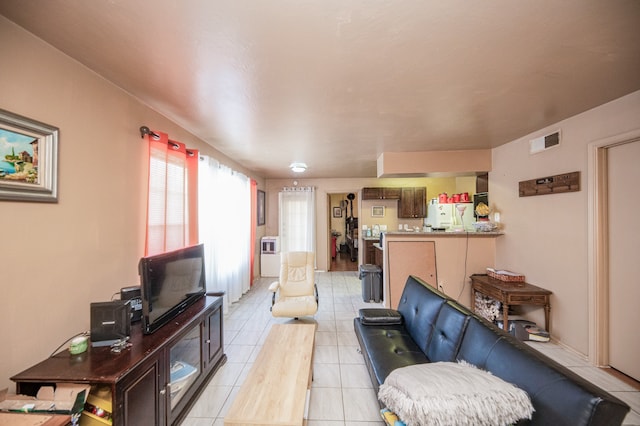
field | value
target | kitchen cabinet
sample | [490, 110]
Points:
[379, 256]
[381, 193]
[156, 380]
[413, 203]
[369, 253]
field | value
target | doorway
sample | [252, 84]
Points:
[612, 246]
[341, 210]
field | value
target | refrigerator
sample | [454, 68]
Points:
[450, 216]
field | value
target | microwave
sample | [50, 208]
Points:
[270, 245]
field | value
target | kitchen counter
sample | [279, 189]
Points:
[445, 233]
[443, 259]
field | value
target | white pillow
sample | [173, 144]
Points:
[448, 393]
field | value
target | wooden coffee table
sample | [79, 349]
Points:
[276, 390]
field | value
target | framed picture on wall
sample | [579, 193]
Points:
[337, 212]
[28, 159]
[377, 211]
[261, 208]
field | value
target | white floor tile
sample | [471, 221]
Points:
[326, 338]
[198, 421]
[360, 405]
[355, 376]
[326, 355]
[210, 402]
[350, 355]
[227, 375]
[326, 404]
[326, 376]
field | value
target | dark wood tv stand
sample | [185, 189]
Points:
[139, 378]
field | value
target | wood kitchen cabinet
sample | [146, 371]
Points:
[144, 380]
[369, 252]
[379, 258]
[381, 193]
[413, 203]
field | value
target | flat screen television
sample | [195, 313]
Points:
[169, 283]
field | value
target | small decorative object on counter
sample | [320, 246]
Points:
[485, 226]
[482, 211]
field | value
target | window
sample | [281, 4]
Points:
[297, 219]
[171, 207]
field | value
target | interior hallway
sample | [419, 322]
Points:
[342, 262]
[342, 393]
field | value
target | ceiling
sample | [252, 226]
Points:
[335, 83]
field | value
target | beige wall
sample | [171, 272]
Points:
[546, 236]
[57, 258]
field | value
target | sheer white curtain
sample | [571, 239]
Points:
[224, 207]
[297, 219]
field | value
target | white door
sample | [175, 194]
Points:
[624, 264]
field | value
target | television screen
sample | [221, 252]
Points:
[169, 283]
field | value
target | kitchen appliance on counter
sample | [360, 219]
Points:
[450, 216]
[270, 256]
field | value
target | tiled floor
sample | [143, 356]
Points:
[342, 394]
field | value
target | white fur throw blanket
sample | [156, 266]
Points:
[448, 393]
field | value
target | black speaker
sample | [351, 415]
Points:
[110, 322]
[133, 296]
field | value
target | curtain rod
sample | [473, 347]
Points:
[298, 188]
[144, 130]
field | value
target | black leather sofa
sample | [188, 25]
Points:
[436, 328]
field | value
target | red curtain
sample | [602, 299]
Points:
[172, 203]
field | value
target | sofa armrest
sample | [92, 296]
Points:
[378, 316]
[274, 286]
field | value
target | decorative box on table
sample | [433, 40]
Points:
[504, 275]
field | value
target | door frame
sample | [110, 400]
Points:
[598, 247]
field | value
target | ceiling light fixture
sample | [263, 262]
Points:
[298, 167]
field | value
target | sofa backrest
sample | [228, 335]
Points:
[478, 342]
[419, 305]
[559, 396]
[447, 333]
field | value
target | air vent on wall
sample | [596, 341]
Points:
[544, 142]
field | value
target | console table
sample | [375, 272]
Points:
[148, 382]
[510, 293]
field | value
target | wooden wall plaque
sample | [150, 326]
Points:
[566, 182]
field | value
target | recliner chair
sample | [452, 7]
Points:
[295, 294]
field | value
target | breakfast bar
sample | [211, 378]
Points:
[442, 259]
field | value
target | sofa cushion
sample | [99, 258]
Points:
[446, 393]
[447, 333]
[387, 347]
[419, 309]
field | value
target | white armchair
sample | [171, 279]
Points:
[296, 294]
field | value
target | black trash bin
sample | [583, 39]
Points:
[371, 277]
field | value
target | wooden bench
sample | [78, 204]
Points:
[276, 390]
